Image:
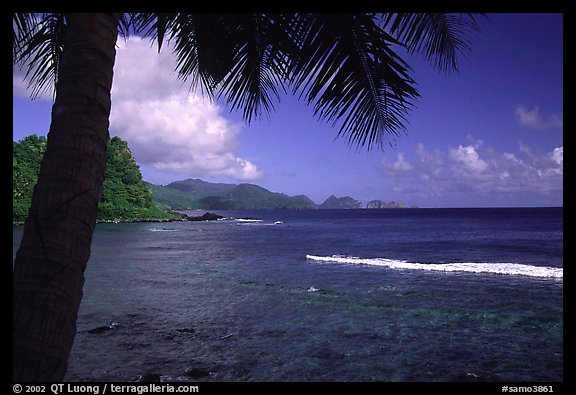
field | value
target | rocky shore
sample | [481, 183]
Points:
[178, 217]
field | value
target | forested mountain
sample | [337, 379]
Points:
[124, 196]
[172, 199]
[201, 189]
[198, 194]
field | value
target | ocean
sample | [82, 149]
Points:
[326, 295]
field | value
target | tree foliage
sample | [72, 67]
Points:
[124, 195]
[26, 157]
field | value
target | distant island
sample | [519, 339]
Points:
[345, 202]
[126, 197]
[381, 204]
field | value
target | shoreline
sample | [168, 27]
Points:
[180, 217]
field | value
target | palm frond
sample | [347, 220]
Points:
[179, 29]
[240, 57]
[440, 37]
[260, 63]
[38, 46]
[154, 25]
[342, 64]
[23, 25]
[203, 49]
[125, 23]
[348, 71]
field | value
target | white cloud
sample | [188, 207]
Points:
[468, 158]
[168, 127]
[533, 119]
[470, 174]
[558, 156]
[400, 165]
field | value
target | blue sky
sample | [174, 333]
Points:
[490, 135]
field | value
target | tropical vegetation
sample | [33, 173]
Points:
[26, 158]
[124, 195]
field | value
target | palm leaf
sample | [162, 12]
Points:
[125, 24]
[23, 26]
[440, 37]
[200, 43]
[38, 47]
[342, 64]
[348, 71]
[260, 54]
[184, 31]
[241, 57]
[154, 25]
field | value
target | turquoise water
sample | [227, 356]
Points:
[302, 296]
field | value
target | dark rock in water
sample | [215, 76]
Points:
[211, 217]
[185, 330]
[327, 354]
[150, 378]
[196, 373]
[100, 329]
[273, 333]
[473, 377]
[103, 329]
[204, 217]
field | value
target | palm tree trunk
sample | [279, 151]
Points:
[49, 268]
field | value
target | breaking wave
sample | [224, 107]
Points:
[515, 269]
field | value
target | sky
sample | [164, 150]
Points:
[490, 135]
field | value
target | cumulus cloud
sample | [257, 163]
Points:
[533, 119]
[468, 158]
[168, 127]
[469, 172]
[400, 165]
[558, 156]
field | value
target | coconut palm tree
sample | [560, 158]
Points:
[346, 66]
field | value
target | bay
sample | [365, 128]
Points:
[326, 295]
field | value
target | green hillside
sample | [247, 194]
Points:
[173, 199]
[250, 196]
[201, 189]
[198, 194]
[124, 196]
